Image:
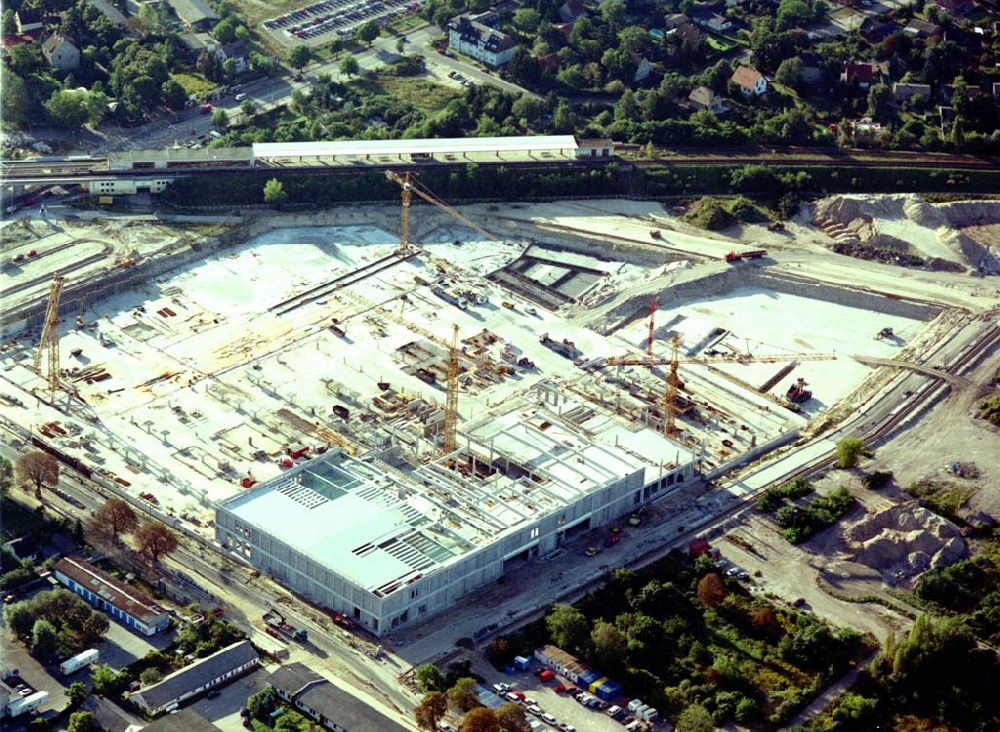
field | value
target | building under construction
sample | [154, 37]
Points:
[389, 541]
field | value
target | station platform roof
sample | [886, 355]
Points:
[533, 143]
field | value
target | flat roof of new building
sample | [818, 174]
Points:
[381, 528]
[534, 143]
[123, 597]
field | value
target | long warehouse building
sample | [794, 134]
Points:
[390, 542]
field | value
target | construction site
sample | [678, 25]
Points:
[388, 407]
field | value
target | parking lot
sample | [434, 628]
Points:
[121, 646]
[224, 709]
[550, 711]
[326, 18]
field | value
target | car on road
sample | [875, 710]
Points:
[534, 709]
[240, 97]
[799, 602]
[515, 696]
[548, 718]
[732, 571]
[590, 551]
[501, 689]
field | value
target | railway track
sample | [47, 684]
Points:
[907, 162]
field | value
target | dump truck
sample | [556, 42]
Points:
[74, 664]
[277, 621]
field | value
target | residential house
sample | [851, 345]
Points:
[238, 52]
[109, 11]
[22, 547]
[202, 675]
[946, 116]
[860, 75]
[968, 40]
[904, 92]
[973, 90]
[183, 720]
[642, 67]
[749, 81]
[922, 28]
[701, 97]
[996, 90]
[335, 709]
[124, 603]
[956, 7]
[876, 31]
[673, 20]
[61, 54]
[478, 37]
[28, 20]
[685, 33]
[197, 14]
[571, 11]
[708, 17]
[198, 42]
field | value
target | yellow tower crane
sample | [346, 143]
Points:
[50, 334]
[409, 185]
[673, 381]
[449, 440]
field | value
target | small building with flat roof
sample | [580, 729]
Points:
[183, 720]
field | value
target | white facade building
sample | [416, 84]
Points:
[476, 36]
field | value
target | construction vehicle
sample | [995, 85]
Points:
[798, 393]
[277, 622]
[740, 256]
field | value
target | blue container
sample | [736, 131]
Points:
[609, 690]
[522, 663]
[588, 677]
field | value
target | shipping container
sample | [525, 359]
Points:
[74, 664]
[635, 704]
[105, 200]
[592, 686]
[650, 714]
[588, 677]
[522, 663]
[609, 690]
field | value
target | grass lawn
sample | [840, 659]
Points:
[425, 95]
[717, 44]
[197, 85]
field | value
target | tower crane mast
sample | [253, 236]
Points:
[49, 342]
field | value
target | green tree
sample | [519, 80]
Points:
[880, 102]
[567, 626]
[528, 109]
[261, 704]
[274, 191]
[431, 710]
[67, 108]
[150, 676]
[224, 31]
[19, 617]
[626, 108]
[83, 722]
[248, 108]
[44, 639]
[367, 32]
[789, 72]
[76, 693]
[299, 56]
[695, 718]
[613, 13]
[13, 98]
[849, 451]
[609, 644]
[349, 66]
[106, 680]
[428, 677]
[463, 695]
[527, 19]
[220, 119]
[173, 94]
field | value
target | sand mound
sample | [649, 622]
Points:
[902, 541]
[908, 223]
